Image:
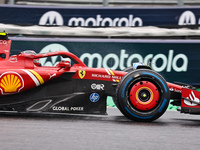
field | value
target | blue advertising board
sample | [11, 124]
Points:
[99, 16]
[176, 60]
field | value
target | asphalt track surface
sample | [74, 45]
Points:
[173, 131]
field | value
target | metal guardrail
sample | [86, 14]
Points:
[105, 2]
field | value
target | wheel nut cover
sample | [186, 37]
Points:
[144, 95]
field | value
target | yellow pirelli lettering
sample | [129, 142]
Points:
[37, 76]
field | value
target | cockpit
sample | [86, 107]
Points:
[31, 52]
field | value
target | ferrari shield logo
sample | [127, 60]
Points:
[81, 73]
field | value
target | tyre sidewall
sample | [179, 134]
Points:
[124, 87]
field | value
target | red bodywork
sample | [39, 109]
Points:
[19, 73]
[22, 67]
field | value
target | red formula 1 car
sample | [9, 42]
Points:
[139, 93]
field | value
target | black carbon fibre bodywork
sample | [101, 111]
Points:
[62, 95]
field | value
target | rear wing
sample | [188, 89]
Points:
[5, 45]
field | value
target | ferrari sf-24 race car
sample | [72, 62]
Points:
[27, 87]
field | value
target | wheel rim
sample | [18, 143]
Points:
[144, 95]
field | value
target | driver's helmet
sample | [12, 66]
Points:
[31, 52]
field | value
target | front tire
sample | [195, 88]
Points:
[142, 95]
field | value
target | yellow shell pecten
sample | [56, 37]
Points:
[10, 83]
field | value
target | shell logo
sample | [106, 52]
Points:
[11, 82]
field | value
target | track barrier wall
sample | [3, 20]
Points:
[99, 16]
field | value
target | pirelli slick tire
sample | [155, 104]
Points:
[142, 95]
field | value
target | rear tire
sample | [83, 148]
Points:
[142, 95]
